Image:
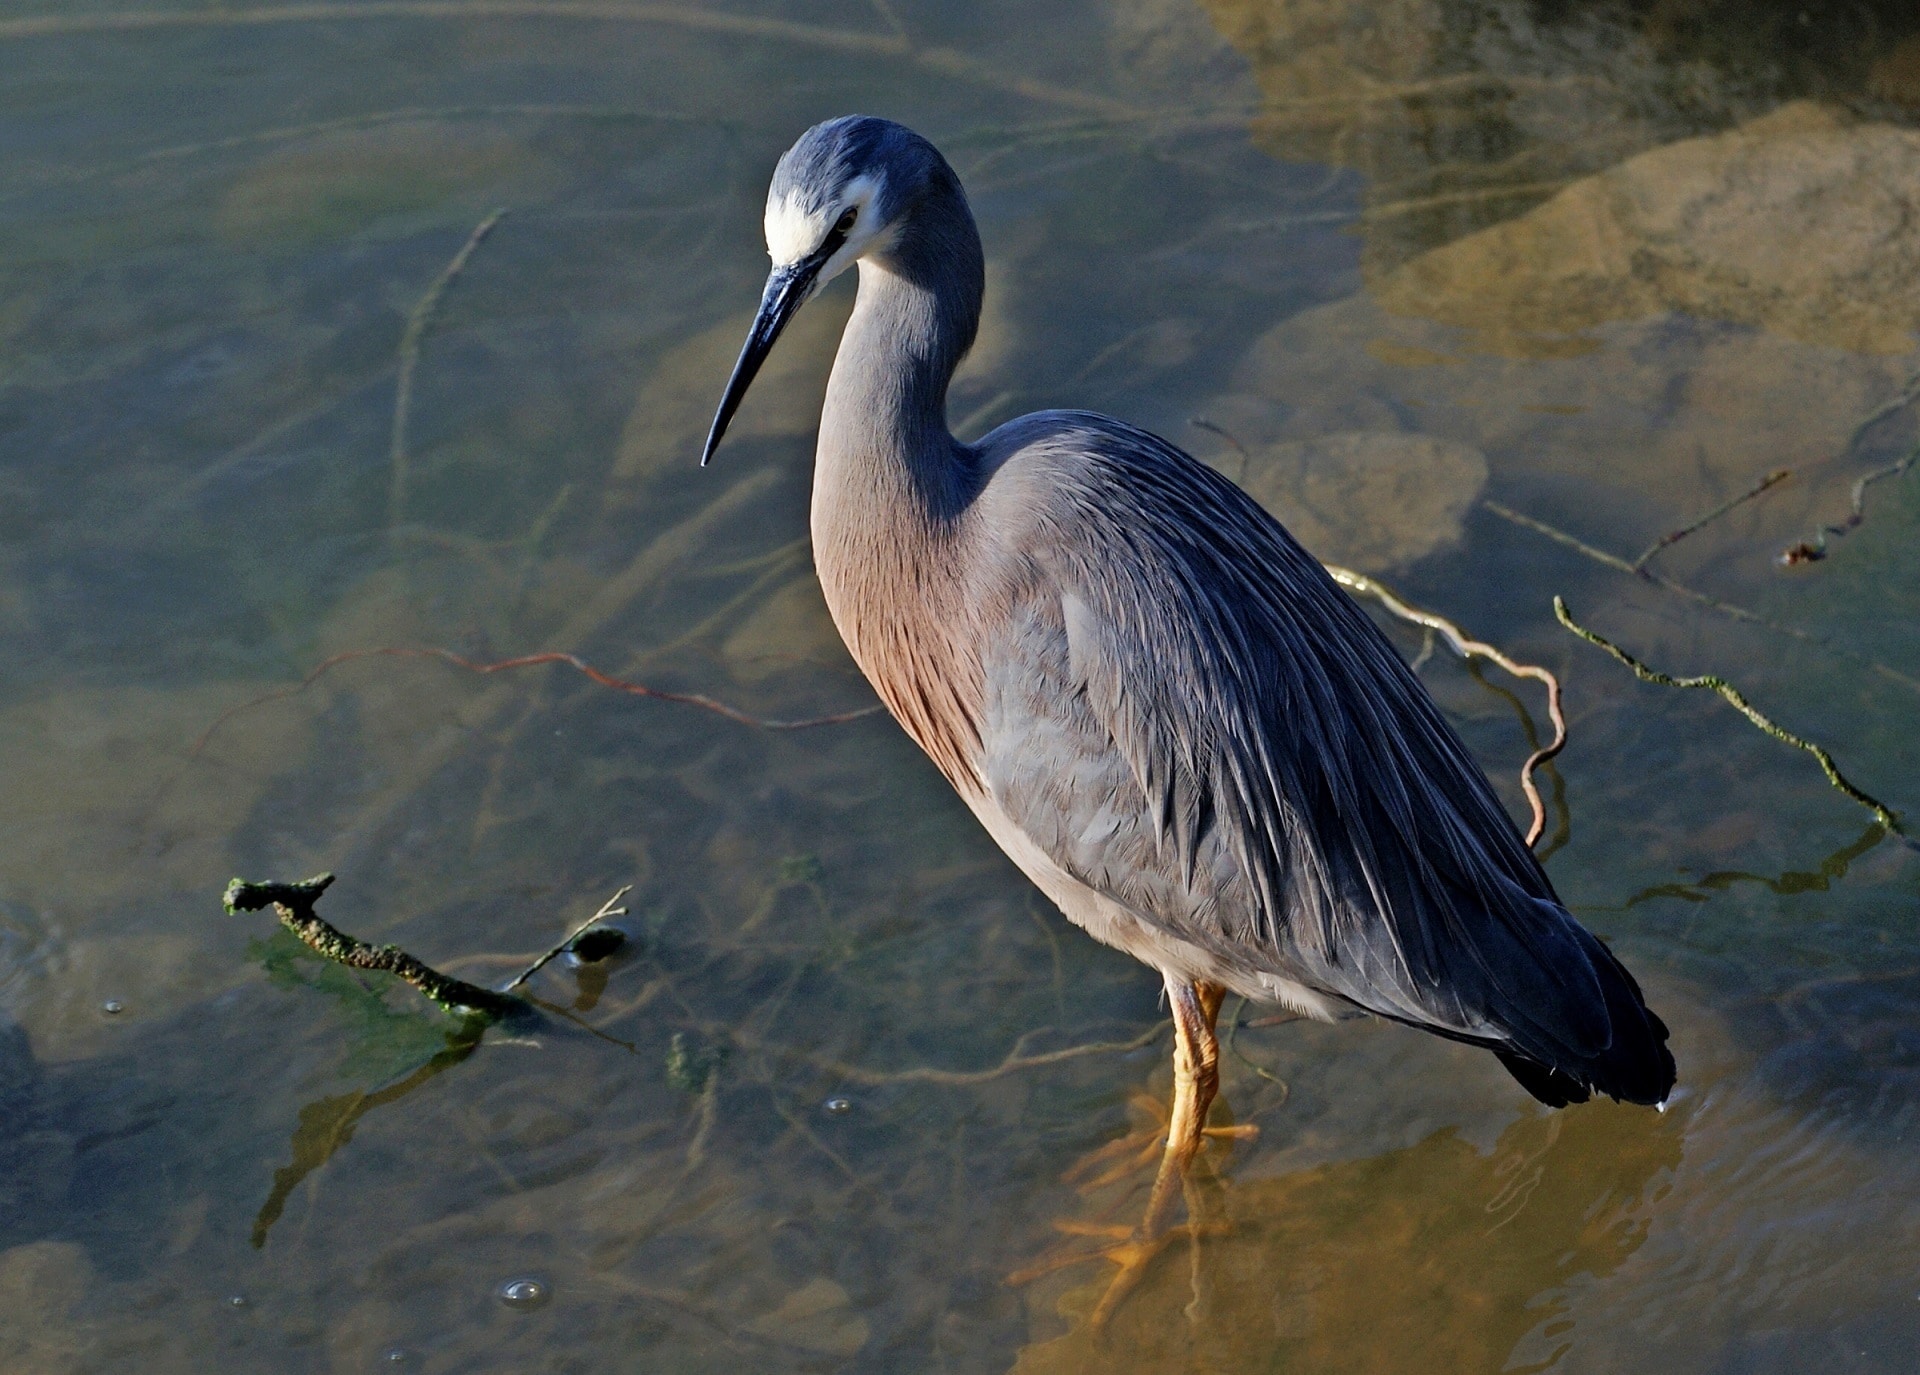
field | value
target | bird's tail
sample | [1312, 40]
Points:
[1635, 1066]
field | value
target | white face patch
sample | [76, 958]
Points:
[792, 232]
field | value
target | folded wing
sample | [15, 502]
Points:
[1188, 715]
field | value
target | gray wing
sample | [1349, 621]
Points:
[1188, 715]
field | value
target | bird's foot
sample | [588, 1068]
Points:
[1176, 1134]
[1132, 1249]
[1134, 1152]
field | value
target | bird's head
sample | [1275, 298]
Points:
[841, 193]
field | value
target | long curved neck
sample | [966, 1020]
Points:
[892, 487]
[885, 451]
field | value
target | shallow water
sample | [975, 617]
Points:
[1428, 270]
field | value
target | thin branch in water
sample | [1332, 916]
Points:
[1014, 1062]
[1772, 479]
[1558, 536]
[293, 904]
[1908, 395]
[812, 1138]
[1815, 549]
[889, 17]
[692, 699]
[1740, 704]
[1467, 648]
[1549, 845]
[607, 909]
[1727, 609]
[1233, 1031]
[948, 62]
[374, 119]
[706, 1110]
[567, 1014]
[1200, 422]
[417, 322]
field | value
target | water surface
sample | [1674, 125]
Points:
[1428, 271]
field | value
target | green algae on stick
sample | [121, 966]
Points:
[1739, 704]
[293, 904]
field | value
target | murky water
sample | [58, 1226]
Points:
[1429, 270]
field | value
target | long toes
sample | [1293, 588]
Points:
[1125, 1145]
[1130, 1253]
[1111, 1231]
[1143, 1156]
[1155, 1108]
[1133, 1258]
[1118, 1239]
[1047, 1264]
[1239, 1131]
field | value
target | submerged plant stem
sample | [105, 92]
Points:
[1740, 704]
[1772, 479]
[1727, 609]
[417, 322]
[1814, 549]
[941, 61]
[574, 661]
[1014, 1063]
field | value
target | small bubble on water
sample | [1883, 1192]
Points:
[112, 1006]
[837, 1106]
[524, 1293]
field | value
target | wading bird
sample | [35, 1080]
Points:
[1156, 702]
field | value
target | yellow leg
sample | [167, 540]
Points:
[1196, 1080]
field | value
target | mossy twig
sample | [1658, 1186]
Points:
[1739, 704]
[293, 904]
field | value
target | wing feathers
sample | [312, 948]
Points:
[1301, 802]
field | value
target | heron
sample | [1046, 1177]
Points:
[1158, 704]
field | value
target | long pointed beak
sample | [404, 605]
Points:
[787, 290]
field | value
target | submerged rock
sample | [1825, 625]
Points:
[1801, 223]
[40, 1284]
[1370, 499]
[818, 1316]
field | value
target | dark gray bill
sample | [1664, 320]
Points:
[787, 290]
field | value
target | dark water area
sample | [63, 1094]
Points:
[1482, 299]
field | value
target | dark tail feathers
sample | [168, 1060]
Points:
[1636, 1066]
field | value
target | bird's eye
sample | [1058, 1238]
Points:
[844, 225]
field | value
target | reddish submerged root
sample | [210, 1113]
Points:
[573, 661]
